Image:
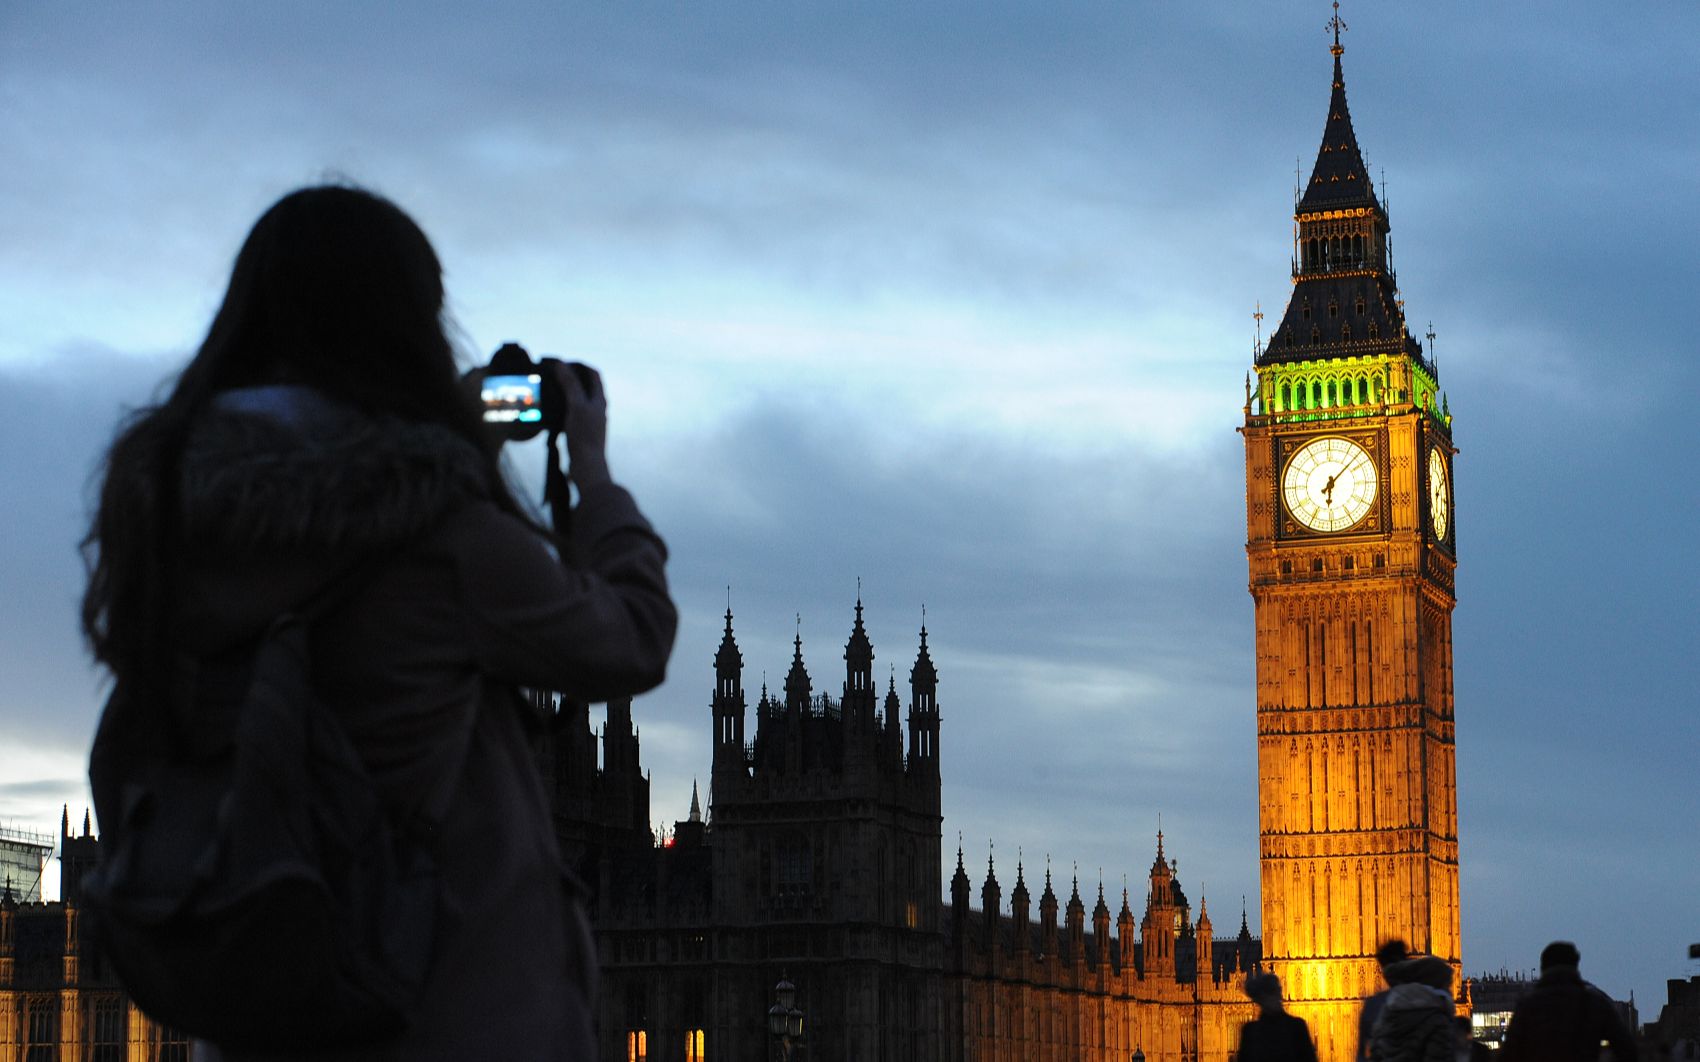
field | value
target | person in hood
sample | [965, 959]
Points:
[1274, 1035]
[1390, 952]
[321, 436]
[1564, 1018]
[1415, 1023]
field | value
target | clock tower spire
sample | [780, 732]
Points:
[1350, 548]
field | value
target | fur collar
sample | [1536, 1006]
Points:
[282, 469]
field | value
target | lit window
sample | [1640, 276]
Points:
[637, 1046]
[694, 1046]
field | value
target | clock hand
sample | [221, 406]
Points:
[1328, 489]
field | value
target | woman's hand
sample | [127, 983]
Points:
[587, 423]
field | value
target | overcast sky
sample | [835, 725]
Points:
[956, 299]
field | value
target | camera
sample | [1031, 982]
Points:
[520, 397]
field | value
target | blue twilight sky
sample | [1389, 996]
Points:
[955, 299]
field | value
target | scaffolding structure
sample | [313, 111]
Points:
[23, 857]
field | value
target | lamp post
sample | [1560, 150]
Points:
[784, 1020]
[1137, 1056]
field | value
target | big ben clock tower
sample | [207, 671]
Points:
[1350, 542]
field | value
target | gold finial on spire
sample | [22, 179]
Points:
[1337, 24]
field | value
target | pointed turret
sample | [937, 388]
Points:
[1161, 924]
[959, 897]
[691, 831]
[1048, 915]
[991, 897]
[923, 713]
[730, 760]
[1019, 905]
[798, 692]
[1101, 928]
[1124, 930]
[1205, 941]
[860, 738]
[1076, 918]
[798, 688]
[858, 658]
[891, 734]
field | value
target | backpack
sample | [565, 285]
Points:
[255, 893]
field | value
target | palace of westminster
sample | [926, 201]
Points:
[820, 859]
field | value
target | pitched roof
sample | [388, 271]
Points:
[1340, 179]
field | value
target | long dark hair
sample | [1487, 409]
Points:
[337, 289]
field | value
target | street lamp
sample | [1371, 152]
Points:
[1138, 1056]
[785, 1021]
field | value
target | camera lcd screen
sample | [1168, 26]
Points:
[512, 399]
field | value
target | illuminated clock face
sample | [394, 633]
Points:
[1439, 506]
[1329, 485]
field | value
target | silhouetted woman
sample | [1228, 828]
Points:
[1274, 1035]
[321, 435]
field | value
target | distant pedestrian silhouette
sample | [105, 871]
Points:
[1274, 1035]
[320, 443]
[1564, 1018]
[1389, 953]
[1415, 1023]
